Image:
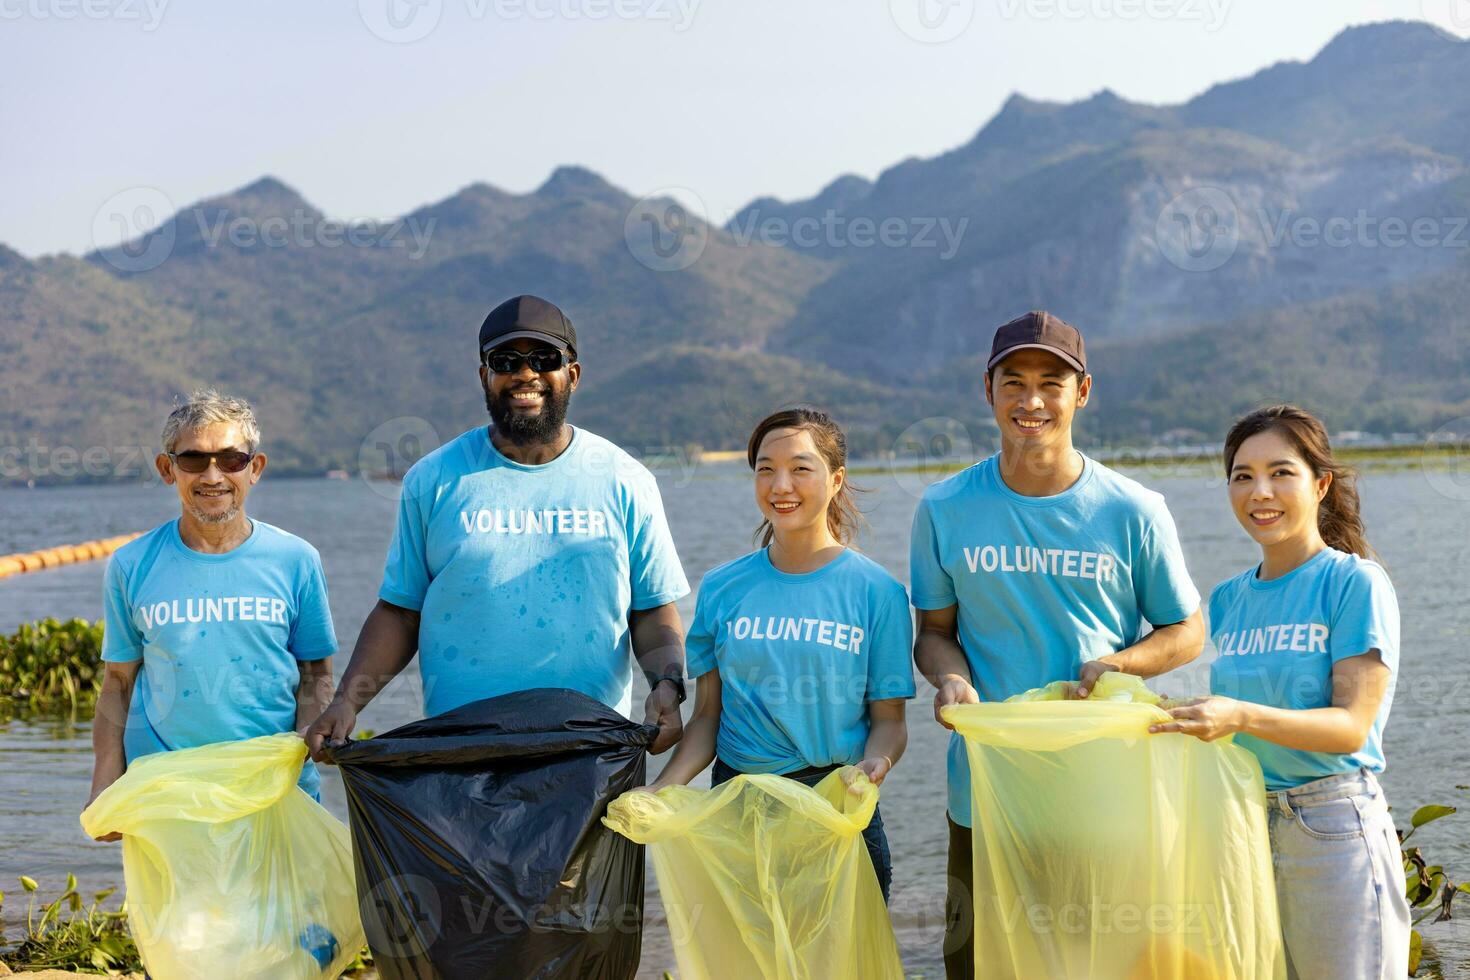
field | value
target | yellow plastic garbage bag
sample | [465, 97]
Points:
[231, 870]
[1102, 852]
[765, 877]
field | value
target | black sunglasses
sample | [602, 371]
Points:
[231, 461]
[543, 360]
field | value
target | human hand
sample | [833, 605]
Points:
[1205, 718]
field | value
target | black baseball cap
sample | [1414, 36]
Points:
[527, 316]
[1038, 330]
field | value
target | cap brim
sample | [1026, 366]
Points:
[1076, 364]
[494, 342]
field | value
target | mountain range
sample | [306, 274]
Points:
[1299, 234]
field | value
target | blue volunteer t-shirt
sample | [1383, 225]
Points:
[524, 575]
[1278, 640]
[220, 637]
[1043, 584]
[800, 657]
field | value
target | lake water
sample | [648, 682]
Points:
[1419, 520]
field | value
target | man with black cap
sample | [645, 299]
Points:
[1035, 565]
[527, 554]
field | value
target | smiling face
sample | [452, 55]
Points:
[1035, 395]
[214, 496]
[1274, 493]
[526, 406]
[793, 484]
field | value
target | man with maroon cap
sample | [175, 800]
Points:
[1036, 565]
[528, 553]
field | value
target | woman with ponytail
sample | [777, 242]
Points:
[1308, 645]
[802, 647]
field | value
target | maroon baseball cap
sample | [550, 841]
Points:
[1038, 330]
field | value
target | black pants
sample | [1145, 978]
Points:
[959, 905]
[873, 835]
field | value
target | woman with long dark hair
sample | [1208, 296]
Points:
[1308, 645]
[802, 647]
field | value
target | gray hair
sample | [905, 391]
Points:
[205, 407]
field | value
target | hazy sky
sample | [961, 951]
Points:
[370, 108]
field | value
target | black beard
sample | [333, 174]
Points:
[530, 430]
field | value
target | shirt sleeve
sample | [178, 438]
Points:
[931, 584]
[312, 635]
[891, 650]
[699, 644]
[653, 563]
[1366, 617]
[406, 572]
[121, 640]
[1166, 594]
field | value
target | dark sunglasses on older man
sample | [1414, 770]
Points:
[231, 461]
[543, 360]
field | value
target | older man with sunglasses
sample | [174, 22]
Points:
[528, 554]
[216, 626]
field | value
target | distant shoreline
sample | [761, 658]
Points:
[1144, 457]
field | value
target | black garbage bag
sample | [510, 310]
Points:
[478, 841]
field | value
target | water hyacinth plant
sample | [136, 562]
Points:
[52, 666]
[1427, 886]
[64, 934]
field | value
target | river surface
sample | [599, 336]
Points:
[1419, 520]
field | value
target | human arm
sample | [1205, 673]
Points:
[385, 646]
[696, 749]
[888, 736]
[941, 660]
[658, 646]
[109, 760]
[1358, 687]
[1165, 648]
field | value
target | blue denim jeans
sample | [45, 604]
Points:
[1339, 880]
[873, 835]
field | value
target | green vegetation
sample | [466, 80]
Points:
[64, 934]
[1427, 886]
[51, 667]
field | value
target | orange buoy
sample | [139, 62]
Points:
[65, 554]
